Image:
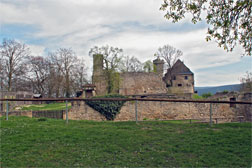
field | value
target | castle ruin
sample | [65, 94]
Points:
[177, 80]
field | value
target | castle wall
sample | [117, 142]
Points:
[128, 83]
[158, 111]
[132, 83]
[81, 111]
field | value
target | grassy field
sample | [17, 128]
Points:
[27, 142]
[51, 106]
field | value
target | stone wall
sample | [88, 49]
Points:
[100, 83]
[244, 110]
[182, 85]
[17, 113]
[81, 111]
[132, 83]
[150, 110]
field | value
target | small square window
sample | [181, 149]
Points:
[186, 77]
[168, 85]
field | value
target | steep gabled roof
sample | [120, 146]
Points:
[180, 68]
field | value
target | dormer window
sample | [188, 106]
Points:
[186, 77]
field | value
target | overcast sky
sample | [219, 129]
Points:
[136, 26]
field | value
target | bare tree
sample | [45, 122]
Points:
[1, 73]
[171, 56]
[80, 75]
[13, 54]
[64, 60]
[131, 64]
[246, 82]
[38, 73]
[55, 81]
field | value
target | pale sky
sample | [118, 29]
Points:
[136, 26]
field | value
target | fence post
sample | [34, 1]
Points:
[7, 109]
[136, 110]
[210, 114]
[66, 112]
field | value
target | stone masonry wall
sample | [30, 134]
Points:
[141, 83]
[148, 110]
[101, 84]
[81, 111]
[186, 85]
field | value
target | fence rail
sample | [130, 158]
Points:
[57, 114]
[132, 99]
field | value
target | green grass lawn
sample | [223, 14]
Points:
[27, 142]
[51, 106]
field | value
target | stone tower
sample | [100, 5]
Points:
[97, 64]
[158, 65]
[98, 79]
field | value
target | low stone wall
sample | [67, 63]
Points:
[17, 113]
[150, 110]
[81, 111]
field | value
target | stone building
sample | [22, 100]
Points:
[179, 79]
[144, 83]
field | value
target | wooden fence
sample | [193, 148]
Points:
[57, 114]
[48, 114]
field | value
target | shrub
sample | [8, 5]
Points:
[108, 109]
[206, 95]
[42, 119]
[196, 96]
[225, 91]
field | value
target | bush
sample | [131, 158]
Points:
[42, 119]
[108, 109]
[206, 95]
[225, 91]
[196, 96]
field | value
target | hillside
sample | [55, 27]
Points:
[214, 89]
